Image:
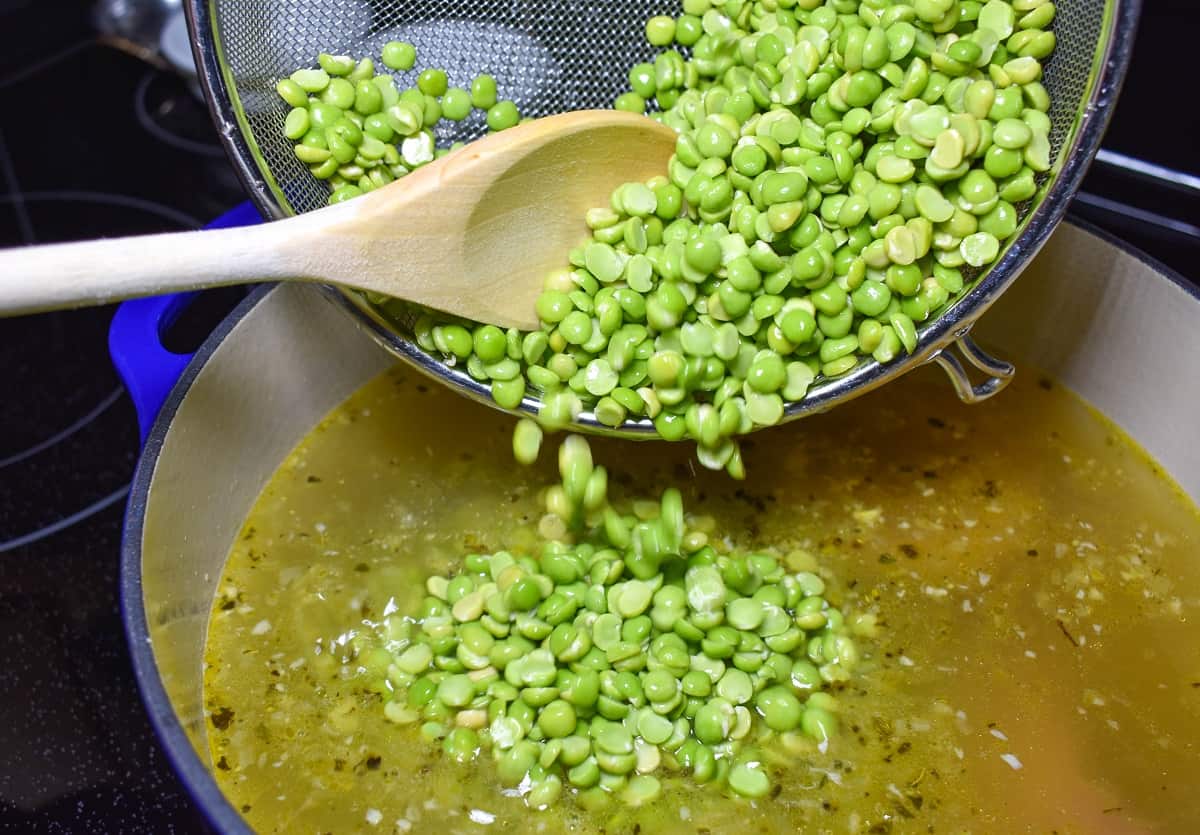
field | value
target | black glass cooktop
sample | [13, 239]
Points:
[97, 142]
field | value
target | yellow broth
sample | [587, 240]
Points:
[1035, 577]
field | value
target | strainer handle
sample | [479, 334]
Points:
[999, 373]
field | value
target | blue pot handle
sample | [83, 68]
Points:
[148, 370]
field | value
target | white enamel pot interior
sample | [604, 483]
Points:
[1105, 321]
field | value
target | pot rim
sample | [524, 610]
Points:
[197, 779]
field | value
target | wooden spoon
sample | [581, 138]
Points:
[473, 234]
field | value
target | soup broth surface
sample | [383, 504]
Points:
[1034, 576]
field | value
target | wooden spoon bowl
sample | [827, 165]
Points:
[474, 234]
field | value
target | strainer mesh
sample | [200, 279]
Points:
[551, 56]
[547, 55]
[1074, 67]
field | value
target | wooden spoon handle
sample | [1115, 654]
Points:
[40, 278]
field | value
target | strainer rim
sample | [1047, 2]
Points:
[1088, 127]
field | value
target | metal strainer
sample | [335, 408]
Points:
[551, 56]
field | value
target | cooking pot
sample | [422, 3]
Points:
[1117, 328]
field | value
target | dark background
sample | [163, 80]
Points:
[95, 141]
